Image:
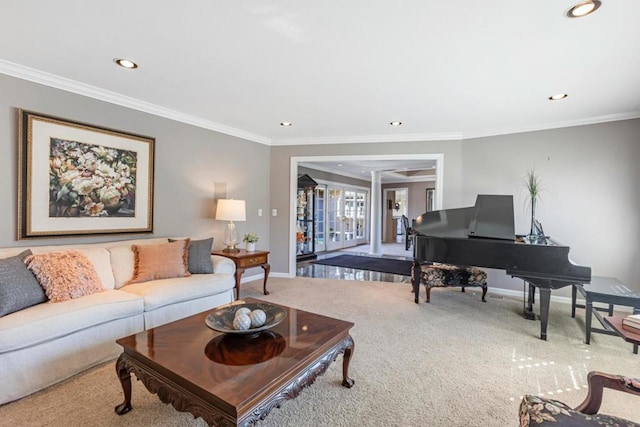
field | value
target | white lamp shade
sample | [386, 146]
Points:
[231, 210]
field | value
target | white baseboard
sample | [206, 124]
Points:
[260, 276]
[511, 293]
[557, 299]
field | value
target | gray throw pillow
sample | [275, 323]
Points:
[200, 256]
[19, 288]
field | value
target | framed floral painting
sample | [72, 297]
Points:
[78, 179]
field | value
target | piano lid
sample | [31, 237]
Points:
[491, 217]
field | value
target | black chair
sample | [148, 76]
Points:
[408, 233]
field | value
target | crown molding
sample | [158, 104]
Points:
[363, 139]
[553, 125]
[47, 79]
[51, 80]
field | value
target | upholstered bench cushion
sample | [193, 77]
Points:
[539, 411]
[443, 275]
[451, 275]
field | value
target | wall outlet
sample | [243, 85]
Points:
[259, 212]
[274, 212]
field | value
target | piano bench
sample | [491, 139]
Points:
[445, 275]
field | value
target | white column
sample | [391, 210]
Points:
[376, 214]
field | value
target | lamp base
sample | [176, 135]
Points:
[231, 250]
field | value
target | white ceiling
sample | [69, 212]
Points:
[339, 70]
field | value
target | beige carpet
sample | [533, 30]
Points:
[453, 362]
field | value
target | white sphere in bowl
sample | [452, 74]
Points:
[258, 317]
[241, 322]
[243, 310]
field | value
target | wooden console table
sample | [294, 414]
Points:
[243, 260]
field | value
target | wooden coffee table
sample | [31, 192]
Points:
[230, 379]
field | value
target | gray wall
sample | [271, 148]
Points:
[589, 174]
[590, 199]
[417, 196]
[281, 169]
[188, 161]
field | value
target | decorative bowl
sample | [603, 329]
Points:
[221, 319]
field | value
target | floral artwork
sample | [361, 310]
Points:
[76, 179]
[91, 180]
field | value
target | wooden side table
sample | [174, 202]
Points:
[615, 322]
[243, 260]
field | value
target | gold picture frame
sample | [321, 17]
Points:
[77, 179]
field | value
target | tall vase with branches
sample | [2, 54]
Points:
[532, 183]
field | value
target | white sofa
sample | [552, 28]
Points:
[48, 342]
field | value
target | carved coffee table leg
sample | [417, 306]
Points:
[125, 381]
[348, 352]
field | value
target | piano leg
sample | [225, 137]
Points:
[545, 298]
[417, 272]
[531, 296]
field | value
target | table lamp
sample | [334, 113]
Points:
[231, 210]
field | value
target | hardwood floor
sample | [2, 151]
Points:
[389, 250]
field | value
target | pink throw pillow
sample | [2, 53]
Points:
[64, 275]
[161, 261]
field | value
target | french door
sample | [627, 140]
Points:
[320, 218]
[346, 210]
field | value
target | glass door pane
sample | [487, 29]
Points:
[349, 218]
[319, 215]
[361, 218]
[334, 218]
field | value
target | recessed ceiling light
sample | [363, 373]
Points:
[125, 63]
[286, 124]
[583, 9]
[395, 123]
[558, 96]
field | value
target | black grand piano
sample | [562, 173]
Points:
[484, 236]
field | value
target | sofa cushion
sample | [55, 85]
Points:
[18, 286]
[161, 261]
[46, 322]
[122, 259]
[200, 256]
[101, 260]
[99, 257]
[64, 275]
[160, 293]
[121, 264]
[223, 264]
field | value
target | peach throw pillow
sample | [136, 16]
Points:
[161, 261]
[64, 275]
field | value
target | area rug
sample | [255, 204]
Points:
[453, 362]
[383, 265]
